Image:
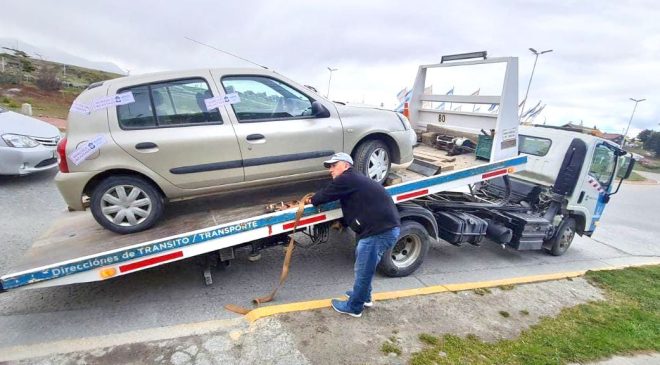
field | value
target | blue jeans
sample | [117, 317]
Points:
[368, 253]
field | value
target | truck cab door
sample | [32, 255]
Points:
[597, 184]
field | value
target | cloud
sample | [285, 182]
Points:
[604, 52]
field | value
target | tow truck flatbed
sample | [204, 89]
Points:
[75, 249]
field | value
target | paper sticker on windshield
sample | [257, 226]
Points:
[217, 101]
[87, 149]
[80, 108]
[113, 100]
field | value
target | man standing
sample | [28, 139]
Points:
[369, 211]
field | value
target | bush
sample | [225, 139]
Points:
[47, 79]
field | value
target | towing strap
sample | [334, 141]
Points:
[285, 266]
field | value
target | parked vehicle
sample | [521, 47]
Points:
[27, 144]
[166, 145]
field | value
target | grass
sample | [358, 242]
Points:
[627, 322]
[388, 348]
[482, 291]
[636, 177]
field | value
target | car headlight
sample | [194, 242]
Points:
[19, 141]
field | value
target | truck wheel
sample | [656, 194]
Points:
[408, 253]
[372, 158]
[562, 239]
[126, 204]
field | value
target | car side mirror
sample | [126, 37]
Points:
[319, 110]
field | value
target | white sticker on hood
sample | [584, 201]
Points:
[87, 149]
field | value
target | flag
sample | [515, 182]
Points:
[475, 108]
[530, 111]
[533, 115]
[406, 99]
[402, 94]
[441, 106]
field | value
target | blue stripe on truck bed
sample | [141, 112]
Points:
[157, 247]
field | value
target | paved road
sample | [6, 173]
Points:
[175, 293]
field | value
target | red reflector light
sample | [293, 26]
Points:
[61, 153]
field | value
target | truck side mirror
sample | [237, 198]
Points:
[319, 110]
[630, 168]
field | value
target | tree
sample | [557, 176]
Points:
[47, 79]
[653, 143]
[644, 135]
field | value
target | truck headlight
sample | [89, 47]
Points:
[19, 141]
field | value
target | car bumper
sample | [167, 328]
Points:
[71, 186]
[23, 161]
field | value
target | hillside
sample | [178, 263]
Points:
[20, 76]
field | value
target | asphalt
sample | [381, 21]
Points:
[172, 295]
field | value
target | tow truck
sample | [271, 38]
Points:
[536, 189]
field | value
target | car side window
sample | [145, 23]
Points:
[264, 98]
[139, 114]
[166, 104]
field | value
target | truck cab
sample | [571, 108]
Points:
[592, 170]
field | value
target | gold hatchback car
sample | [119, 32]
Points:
[134, 143]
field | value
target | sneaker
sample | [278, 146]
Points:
[367, 304]
[342, 307]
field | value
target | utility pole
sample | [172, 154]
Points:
[637, 101]
[537, 54]
[330, 79]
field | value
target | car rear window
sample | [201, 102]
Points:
[168, 104]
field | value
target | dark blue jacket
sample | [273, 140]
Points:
[367, 207]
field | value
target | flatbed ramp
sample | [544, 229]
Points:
[76, 249]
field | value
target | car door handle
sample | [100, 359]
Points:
[255, 137]
[145, 146]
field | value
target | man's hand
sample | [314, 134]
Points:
[308, 200]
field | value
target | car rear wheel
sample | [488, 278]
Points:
[126, 204]
[372, 158]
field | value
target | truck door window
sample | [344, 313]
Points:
[602, 165]
[533, 145]
[264, 98]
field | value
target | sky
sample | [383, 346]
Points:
[604, 52]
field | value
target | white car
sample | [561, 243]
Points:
[27, 144]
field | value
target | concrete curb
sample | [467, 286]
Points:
[267, 311]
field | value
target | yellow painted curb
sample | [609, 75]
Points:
[262, 312]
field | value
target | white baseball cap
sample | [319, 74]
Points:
[341, 156]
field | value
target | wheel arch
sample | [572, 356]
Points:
[93, 182]
[416, 213]
[387, 139]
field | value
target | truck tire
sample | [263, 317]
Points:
[408, 253]
[372, 158]
[126, 204]
[562, 239]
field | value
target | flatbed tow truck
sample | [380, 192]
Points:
[75, 249]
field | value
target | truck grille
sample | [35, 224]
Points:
[50, 142]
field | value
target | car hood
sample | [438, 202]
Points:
[16, 123]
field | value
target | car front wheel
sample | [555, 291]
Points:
[126, 204]
[372, 158]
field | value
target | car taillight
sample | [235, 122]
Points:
[61, 152]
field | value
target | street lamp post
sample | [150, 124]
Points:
[531, 76]
[330, 79]
[623, 143]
